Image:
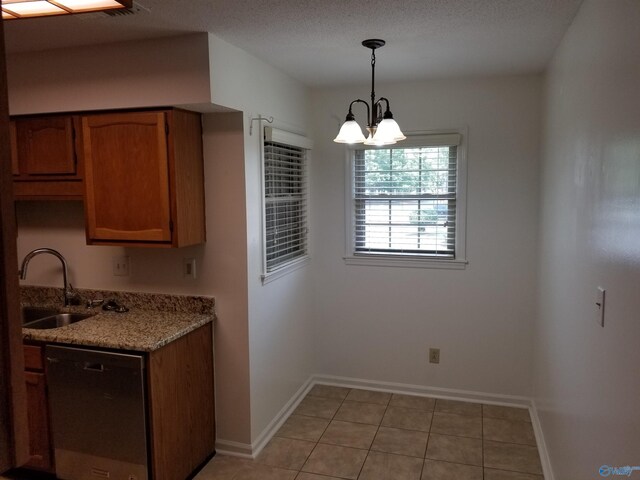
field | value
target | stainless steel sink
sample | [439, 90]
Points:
[30, 314]
[58, 320]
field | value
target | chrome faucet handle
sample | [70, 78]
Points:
[113, 306]
[94, 302]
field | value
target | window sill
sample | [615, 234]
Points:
[407, 262]
[282, 271]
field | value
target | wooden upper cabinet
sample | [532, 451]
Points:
[144, 181]
[44, 157]
[45, 146]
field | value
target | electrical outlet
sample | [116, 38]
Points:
[189, 268]
[121, 266]
[434, 355]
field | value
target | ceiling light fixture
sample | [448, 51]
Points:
[382, 128]
[14, 9]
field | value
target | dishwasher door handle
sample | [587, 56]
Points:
[93, 367]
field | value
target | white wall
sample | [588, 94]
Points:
[281, 312]
[226, 254]
[377, 323]
[586, 376]
[164, 71]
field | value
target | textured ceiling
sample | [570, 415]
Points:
[318, 42]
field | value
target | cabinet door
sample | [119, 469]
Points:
[45, 146]
[39, 446]
[126, 177]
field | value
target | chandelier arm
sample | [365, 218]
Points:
[360, 101]
[387, 112]
[385, 99]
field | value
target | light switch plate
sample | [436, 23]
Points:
[121, 266]
[189, 268]
[600, 303]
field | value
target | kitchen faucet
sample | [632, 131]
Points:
[68, 291]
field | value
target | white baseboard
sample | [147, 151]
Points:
[233, 449]
[542, 445]
[245, 450]
[409, 389]
[280, 418]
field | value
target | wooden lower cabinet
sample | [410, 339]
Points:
[181, 402]
[180, 406]
[40, 448]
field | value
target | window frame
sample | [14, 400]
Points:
[274, 135]
[415, 139]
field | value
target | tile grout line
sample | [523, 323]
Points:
[368, 450]
[482, 436]
[374, 436]
[325, 429]
[424, 460]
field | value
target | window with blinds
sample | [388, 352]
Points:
[405, 200]
[285, 204]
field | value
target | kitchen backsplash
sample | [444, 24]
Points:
[34, 295]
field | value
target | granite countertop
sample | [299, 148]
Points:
[140, 329]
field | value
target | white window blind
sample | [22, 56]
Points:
[285, 203]
[405, 199]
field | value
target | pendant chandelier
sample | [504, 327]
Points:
[382, 128]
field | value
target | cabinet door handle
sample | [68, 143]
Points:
[100, 473]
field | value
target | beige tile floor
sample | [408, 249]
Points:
[342, 433]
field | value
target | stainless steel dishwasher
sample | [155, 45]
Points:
[98, 414]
